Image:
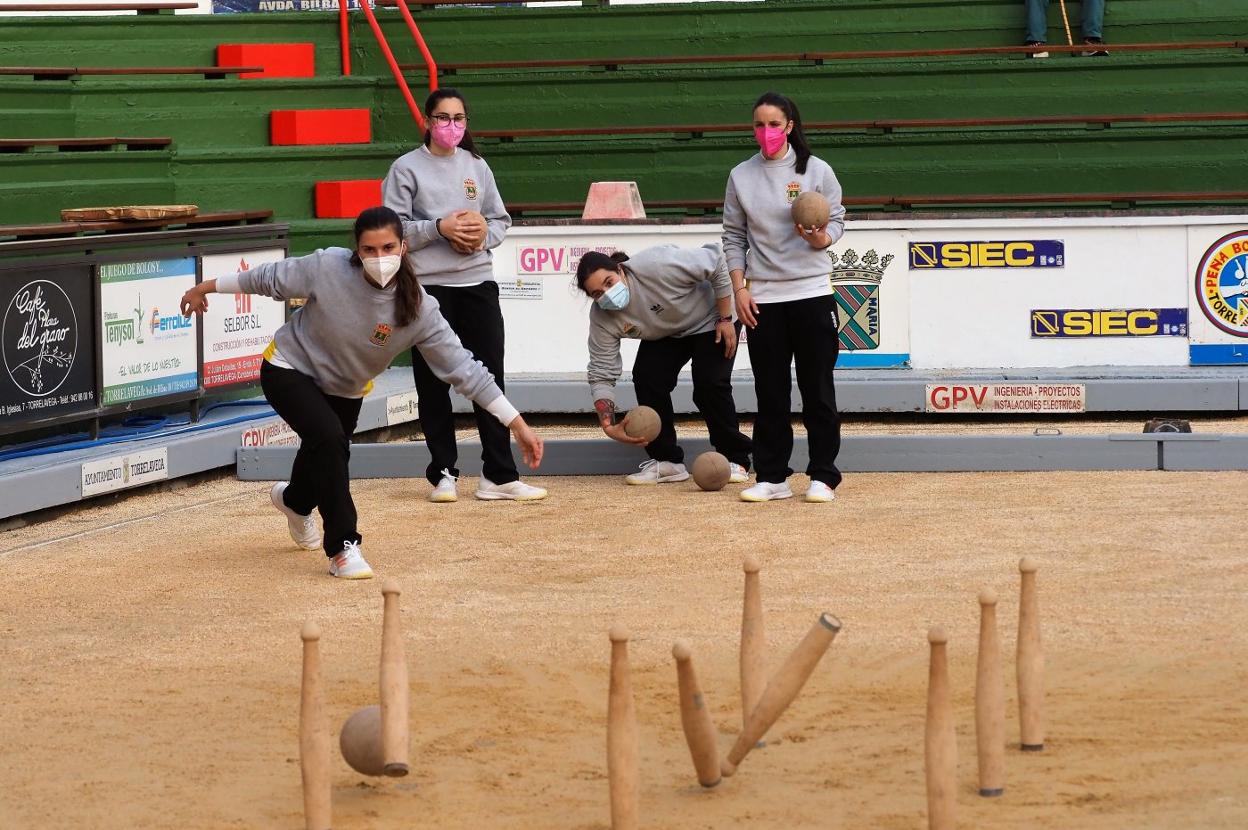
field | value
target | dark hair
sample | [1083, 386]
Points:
[595, 261]
[797, 138]
[407, 288]
[438, 96]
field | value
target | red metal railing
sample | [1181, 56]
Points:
[344, 37]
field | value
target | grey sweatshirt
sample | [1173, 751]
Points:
[346, 334]
[671, 293]
[759, 236]
[422, 188]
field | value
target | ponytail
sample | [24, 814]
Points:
[797, 138]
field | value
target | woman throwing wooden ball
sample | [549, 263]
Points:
[364, 307]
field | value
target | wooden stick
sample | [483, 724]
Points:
[939, 739]
[1070, 41]
[622, 748]
[753, 642]
[394, 685]
[989, 701]
[314, 735]
[1030, 661]
[783, 688]
[695, 718]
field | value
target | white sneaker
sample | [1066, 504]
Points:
[820, 493]
[513, 490]
[350, 563]
[445, 491]
[767, 491]
[737, 474]
[303, 529]
[658, 472]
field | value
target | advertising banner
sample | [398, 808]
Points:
[47, 338]
[149, 349]
[1006, 398]
[109, 474]
[1218, 280]
[238, 327]
[235, 6]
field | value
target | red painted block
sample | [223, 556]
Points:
[288, 127]
[280, 60]
[345, 200]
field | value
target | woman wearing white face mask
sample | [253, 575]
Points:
[780, 281]
[453, 216]
[364, 307]
[678, 303]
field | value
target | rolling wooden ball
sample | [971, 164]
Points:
[360, 742]
[711, 471]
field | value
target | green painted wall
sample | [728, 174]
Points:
[221, 158]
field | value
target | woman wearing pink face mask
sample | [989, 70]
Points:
[781, 288]
[452, 217]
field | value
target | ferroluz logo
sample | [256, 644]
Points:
[40, 338]
[164, 326]
[1222, 283]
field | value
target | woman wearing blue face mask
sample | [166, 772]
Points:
[678, 303]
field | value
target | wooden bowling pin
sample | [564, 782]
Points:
[989, 701]
[622, 747]
[1030, 661]
[394, 686]
[695, 718]
[314, 735]
[753, 642]
[783, 688]
[941, 749]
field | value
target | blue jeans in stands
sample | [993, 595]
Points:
[1092, 11]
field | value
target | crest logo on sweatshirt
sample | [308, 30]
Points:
[470, 189]
[381, 334]
[792, 190]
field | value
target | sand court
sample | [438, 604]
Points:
[151, 653]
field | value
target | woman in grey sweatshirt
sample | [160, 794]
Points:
[783, 293]
[453, 216]
[364, 307]
[678, 303]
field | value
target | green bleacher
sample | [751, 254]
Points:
[220, 157]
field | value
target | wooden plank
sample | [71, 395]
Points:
[987, 200]
[787, 57]
[887, 124]
[53, 229]
[11, 144]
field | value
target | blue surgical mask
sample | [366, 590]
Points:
[614, 298]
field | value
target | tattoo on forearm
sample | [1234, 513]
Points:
[606, 410]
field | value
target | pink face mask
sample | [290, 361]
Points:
[448, 135]
[771, 139]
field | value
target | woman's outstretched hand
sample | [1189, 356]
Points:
[531, 445]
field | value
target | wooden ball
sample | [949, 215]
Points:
[711, 471]
[642, 422]
[811, 210]
[360, 742]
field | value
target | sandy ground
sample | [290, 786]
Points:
[150, 653]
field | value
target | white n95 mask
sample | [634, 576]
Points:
[382, 268]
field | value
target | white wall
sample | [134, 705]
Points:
[939, 318]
